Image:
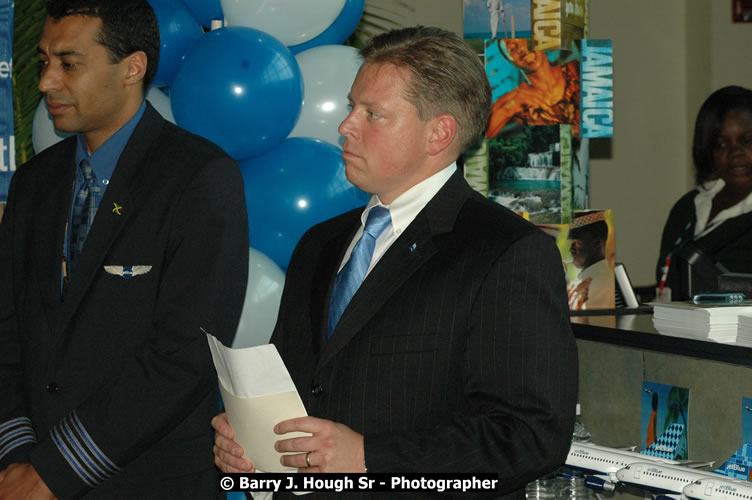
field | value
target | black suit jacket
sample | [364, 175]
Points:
[120, 366]
[456, 353]
[730, 244]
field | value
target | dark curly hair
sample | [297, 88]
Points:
[708, 127]
[127, 27]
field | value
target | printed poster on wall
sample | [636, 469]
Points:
[586, 246]
[7, 139]
[739, 464]
[525, 172]
[665, 415]
[531, 87]
[489, 19]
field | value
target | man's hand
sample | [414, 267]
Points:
[333, 447]
[228, 455]
[22, 481]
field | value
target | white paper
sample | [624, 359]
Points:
[258, 393]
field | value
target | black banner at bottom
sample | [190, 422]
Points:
[437, 483]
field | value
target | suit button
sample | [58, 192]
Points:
[317, 390]
[52, 387]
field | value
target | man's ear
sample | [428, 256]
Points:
[135, 68]
[443, 132]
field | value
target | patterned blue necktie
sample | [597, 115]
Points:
[351, 276]
[84, 210]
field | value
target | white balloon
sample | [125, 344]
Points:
[262, 297]
[161, 103]
[44, 134]
[290, 21]
[328, 72]
[43, 131]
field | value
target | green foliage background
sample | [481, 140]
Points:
[29, 16]
[28, 19]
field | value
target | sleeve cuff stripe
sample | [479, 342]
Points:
[79, 450]
[14, 433]
[70, 459]
[20, 422]
[94, 450]
[84, 460]
[12, 436]
[15, 444]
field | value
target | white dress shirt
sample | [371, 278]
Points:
[402, 211]
[704, 202]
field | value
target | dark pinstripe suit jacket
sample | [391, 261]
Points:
[455, 355]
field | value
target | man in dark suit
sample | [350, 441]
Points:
[106, 380]
[455, 354]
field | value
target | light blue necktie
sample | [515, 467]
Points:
[84, 210]
[351, 276]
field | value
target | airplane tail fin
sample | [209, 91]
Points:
[667, 444]
[739, 465]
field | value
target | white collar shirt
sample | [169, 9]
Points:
[402, 210]
[704, 202]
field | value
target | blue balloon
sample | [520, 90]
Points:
[292, 187]
[178, 30]
[205, 11]
[240, 88]
[339, 30]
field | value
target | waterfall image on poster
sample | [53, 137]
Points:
[525, 173]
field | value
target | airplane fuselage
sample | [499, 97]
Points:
[718, 488]
[592, 458]
[661, 478]
[600, 463]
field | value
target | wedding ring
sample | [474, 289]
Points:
[307, 459]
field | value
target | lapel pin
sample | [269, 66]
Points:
[412, 248]
[118, 209]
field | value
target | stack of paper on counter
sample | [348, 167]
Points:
[258, 393]
[716, 322]
[745, 330]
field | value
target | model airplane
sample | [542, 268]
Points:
[718, 488]
[666, 480]
[599, 464]
[672, 480]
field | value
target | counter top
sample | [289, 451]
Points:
[635, 330]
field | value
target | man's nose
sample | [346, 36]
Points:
[347, 128]
[48, 81]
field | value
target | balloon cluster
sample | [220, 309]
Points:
[270, 87]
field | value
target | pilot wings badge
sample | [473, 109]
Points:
[127, 271]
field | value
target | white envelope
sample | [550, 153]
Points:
[258, 393]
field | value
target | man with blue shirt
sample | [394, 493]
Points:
[119, 247]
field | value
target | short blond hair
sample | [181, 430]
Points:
[447, 76]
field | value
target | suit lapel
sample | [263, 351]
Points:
[109, 222]
[323, 282]
[107, 225]
[48, 216]
[414, 247]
